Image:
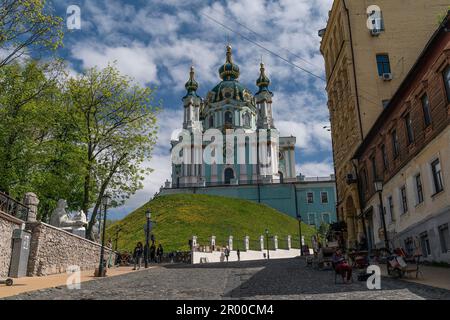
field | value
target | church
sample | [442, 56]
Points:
[231, 107]
[207, 159]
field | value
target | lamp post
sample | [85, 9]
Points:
[117, 238]
[148, 215]
[267, 243]
[105, 202]
[299, 218]
[378, 184]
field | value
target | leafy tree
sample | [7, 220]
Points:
[37, 152]
[116, 125]
[26, 25]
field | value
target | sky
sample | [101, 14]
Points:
[156, 41]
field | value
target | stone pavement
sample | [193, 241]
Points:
[274, 279]
[27, 284]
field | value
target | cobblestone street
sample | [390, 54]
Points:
[276, 279]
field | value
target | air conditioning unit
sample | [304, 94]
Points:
[375, 32]
[387, 76]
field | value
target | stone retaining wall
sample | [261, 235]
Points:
[53, 250]
[7, 224]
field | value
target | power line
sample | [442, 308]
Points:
[266, 39]
[264, 48]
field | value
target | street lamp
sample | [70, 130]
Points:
[148, 215]
[267, 243]
[378, 184]
[299, 218]
[117, 238]
[105, 202]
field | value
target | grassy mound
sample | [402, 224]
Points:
[179, 217]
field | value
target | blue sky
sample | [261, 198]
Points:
[156, 41]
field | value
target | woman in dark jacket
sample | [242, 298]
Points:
[137, 255]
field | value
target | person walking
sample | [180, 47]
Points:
[159, 253]
[153, 253]
[227, 253]
[137, 255]
[238, 254]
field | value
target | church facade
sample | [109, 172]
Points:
[247, 148]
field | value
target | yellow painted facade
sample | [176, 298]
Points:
[355, 90]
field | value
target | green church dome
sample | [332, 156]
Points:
[230, 70]
[192, 85]
[263, 81]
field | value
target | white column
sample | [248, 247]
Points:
[247, 243]
[289, 242]
[261, 242]
[230, 243]
[275, 242]
[213, 241]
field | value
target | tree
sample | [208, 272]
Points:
[116, 125]
[25, 25]
[37, 149]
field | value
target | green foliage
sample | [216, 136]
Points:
[179, 217]
[36, 147]
[116, 124]
[27, 25]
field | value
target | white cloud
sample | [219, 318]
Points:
[316, 169]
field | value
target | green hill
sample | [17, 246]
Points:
[179, 217]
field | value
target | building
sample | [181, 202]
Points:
[230, 107]
[266, 172]
[408, 149]
[368, 49]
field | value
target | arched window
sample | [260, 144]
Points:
[229, 174]
[228, 118]
[211, 121]
[246, 120]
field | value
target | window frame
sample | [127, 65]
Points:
[444, 242]
[409, 128]
[436, 174]
[446, 78]
[312, 197]
[383, 64]
[321, 198]
[395, 143]
[390, 201]
[404, 199]
[385, 157]
[419, 189]
[426, 109]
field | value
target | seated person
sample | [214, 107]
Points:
[341, 266]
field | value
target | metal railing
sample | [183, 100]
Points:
[13, 207]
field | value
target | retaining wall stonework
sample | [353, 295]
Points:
[53, 250]
[7, 224]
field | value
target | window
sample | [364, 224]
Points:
[447, 82]
[409, 246]
[391, 209]
[310, 197]
[425, 244]
[385, 158]
[444, 238]
[380, 215]
[404, 199]
[228, 117]
[374, 168]
[326, 218]
[437, 176]
[426, 109]
[419, 189]
[211, 121]
[324, 197]
[311, 218]
[395, 145]
[383, 64]
[409, 129]
[246, 120]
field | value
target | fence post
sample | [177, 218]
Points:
[247, 243]
[261, 241]
[230, 243]
[213, 243]
[275, 242]
[289, 244]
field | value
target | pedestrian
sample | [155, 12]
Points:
[159, 253]
[153, 253]
[137, 255]
[227, 253]
[239, 254]
[341, 266]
